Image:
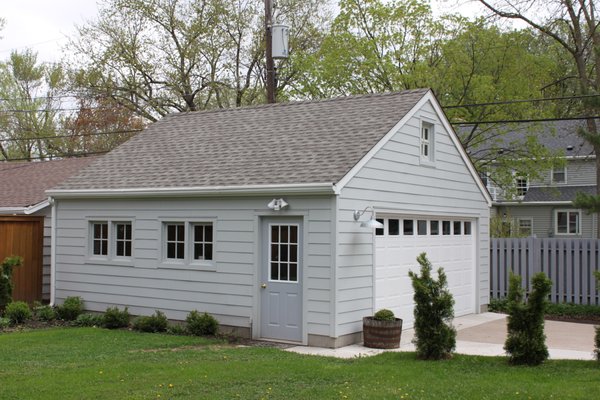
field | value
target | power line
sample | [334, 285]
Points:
[506, 121]
[70, 136]
[583, 96]
[61, 96]
[5, 111]
[70, 155]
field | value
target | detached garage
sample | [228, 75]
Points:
[260, 216]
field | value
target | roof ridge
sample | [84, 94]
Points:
[299, 102]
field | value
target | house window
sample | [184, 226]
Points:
[203, 241]
[568, 222]
[522, 185]
[379, 231]
[427, 136]
[559, 175]
[467, 227]
[123, 239]
[525, 226]
[175, 241]
[100, 238]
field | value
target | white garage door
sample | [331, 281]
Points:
[448, 242]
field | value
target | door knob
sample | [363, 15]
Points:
[264, 286]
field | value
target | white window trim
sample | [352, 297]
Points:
[188, 262]
[519, 225]
[431, 145]
[552, 177]
[111, 257]
[297, 258]
[515, 178]
[568, 211]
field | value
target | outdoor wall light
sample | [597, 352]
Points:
[372, 222]
[277, 204]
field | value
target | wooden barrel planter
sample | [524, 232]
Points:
[382, 334]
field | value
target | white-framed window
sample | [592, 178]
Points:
[567, 222]
[559, 175]
[111, 240]
[525, 226]
[522, 185]
[99, 238]
[427, 141]
[188, 243]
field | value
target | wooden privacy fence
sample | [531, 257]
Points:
[569, 263]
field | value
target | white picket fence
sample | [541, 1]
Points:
[569, 263]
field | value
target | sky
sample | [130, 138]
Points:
[44, 25]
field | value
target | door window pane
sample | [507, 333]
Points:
[467, 227]
[434, 227]
[457, 226]
[421, 227]
[379, 231]
[284, 253]
[408, 227]
[446, 228]
[393, 227]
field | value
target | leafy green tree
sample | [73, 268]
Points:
[435, 337]
[6, 285]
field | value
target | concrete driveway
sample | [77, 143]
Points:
[484, 334]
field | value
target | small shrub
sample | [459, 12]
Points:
[435, 337]
[71, 308]
[4, 323]
[114, 318]
[156, 322]
[176, 329]
[88, 320]
[17, 312]
[6, 285]
[201, 324]
[597, 343]
[44, 312]
[384, 315]
[526, 341]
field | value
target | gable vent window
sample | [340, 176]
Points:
[427, 141]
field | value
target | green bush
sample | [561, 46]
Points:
[526, 341]
[384, 315]
[156, 322]
[597, 343]
[43, 312]
[201, 324]
[177, 329]
[114, 318]
[17, 312]
[71, 308]
[88, 320]
[4, 323]
[435, 337]
[6, 286]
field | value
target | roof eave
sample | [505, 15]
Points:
[25, 210]
[300, 188]
[531, 203]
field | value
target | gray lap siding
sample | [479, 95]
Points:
[227, 289]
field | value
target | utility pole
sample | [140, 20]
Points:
[269, 52]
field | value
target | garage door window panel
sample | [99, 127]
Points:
[393, 227]
[408, 227]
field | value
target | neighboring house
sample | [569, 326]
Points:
[25, 220]
[544, 207]
[248, 214]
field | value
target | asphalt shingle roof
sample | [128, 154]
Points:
[556, 193]
[23, 184]
[286, 143]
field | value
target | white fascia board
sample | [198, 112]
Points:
[532, 203]
[301, 188]
[25, 210]
[428, 97]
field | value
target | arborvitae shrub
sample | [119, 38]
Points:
[71, 308]
[18, 312]
[6, 286]
[201, 324]
[157, 322]
[435, 337]
[114, 318]
[384, 315]
[526, 341]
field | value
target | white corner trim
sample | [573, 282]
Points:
[302, 188]
[427, 97]
[52, 253]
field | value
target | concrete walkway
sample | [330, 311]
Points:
[484, 334]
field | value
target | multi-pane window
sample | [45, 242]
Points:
[524, 226]
[203, 241]
[567, 222]
[426, 141]
[100, 238]
[123, 239]
[559, 175]
[522, 185]
[175, 241]
[284, 253]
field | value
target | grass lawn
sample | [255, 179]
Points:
[90, 363]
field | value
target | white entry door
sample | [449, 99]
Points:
[448, 242]
[281, 279]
